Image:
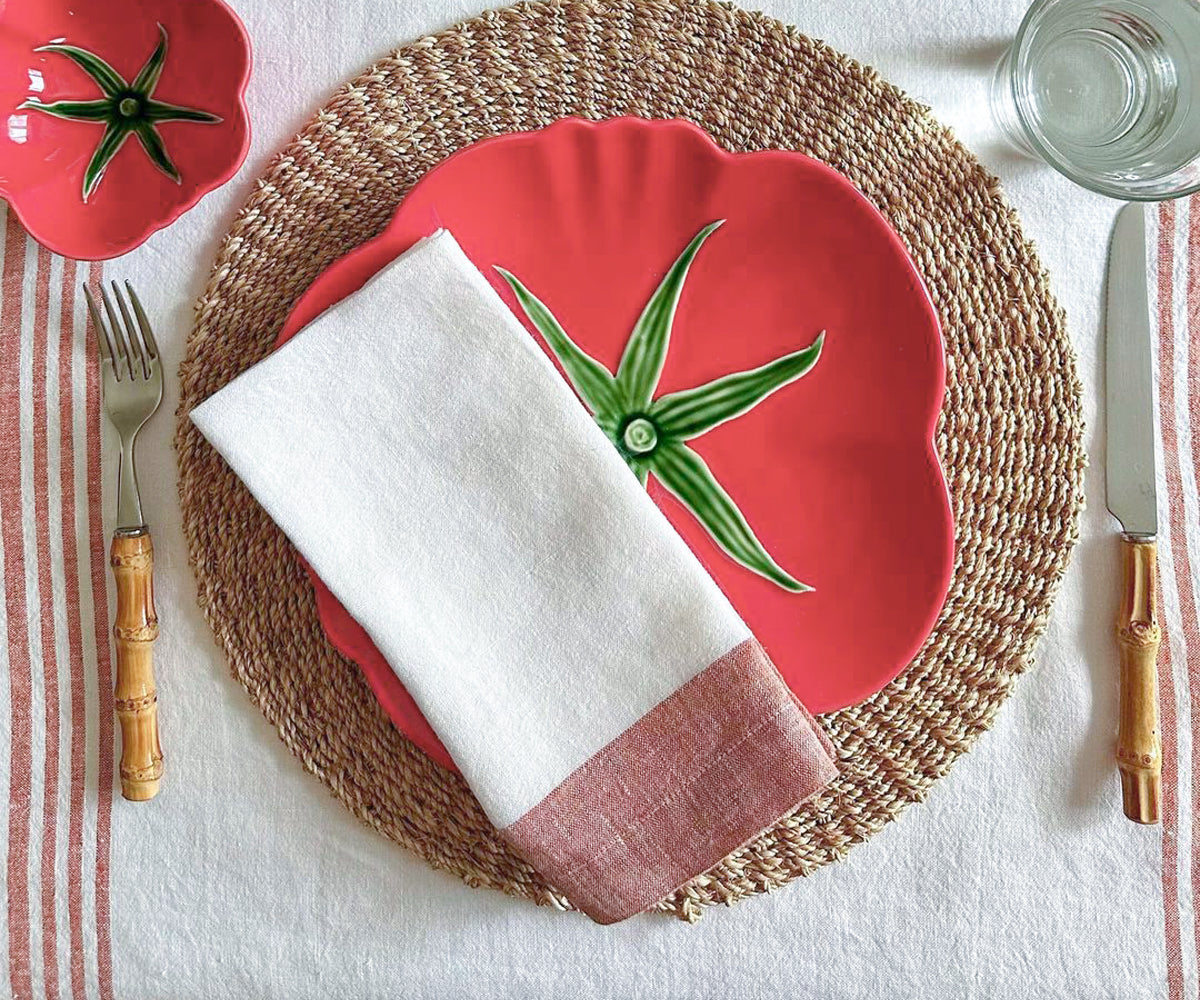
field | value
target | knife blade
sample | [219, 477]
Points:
[1129, 390]
[1132, 498]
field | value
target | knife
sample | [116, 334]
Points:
[1132, 498]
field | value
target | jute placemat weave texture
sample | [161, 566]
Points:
[1010, 433]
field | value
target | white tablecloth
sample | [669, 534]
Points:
[1019, 877]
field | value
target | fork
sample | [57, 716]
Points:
[131, 376]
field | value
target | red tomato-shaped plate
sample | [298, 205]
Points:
[835, 473]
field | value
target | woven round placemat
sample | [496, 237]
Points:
[1009, 437]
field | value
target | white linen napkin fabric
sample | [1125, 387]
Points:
[608, 707]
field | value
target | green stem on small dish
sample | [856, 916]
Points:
[125, 109]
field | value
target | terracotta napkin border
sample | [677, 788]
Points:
[1010, 434]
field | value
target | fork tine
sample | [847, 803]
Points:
[143, 323]
[137, 348]
[115, 326]
[102, 341]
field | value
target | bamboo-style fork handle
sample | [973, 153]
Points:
[1139, 748]
[136, 628]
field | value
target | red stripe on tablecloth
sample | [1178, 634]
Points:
[41, 520]
[1194, 300]
[70, 541]
[1170, 825]
[96, 540]
[1191, 628]
[20, 668]
[1170, 805]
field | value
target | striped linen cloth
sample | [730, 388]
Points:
[1175, 300]
[56, 737]
[67, 934]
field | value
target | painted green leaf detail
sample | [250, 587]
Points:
[127, 109]
[641, 468]
[80, 111]
[147, 78]
[591, 379]
[114, 139]
[153, 145]
[107, 78]
[649, 433]
[692, 412]
[157, 111]
[646, 350]
[686, 475]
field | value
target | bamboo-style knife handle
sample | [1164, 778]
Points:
[1139, 748]
[136, 628]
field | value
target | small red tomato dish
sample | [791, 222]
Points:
[117, 116]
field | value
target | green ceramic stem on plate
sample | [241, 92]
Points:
[650, 433]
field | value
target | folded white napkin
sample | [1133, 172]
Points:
[604, 701]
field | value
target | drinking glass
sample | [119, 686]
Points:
[1107, 92]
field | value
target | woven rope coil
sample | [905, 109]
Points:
[1009, 436]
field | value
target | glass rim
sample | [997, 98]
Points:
[1064, 167]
